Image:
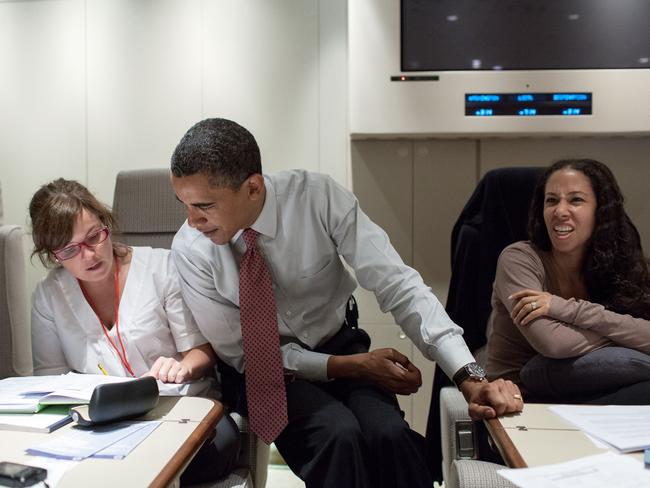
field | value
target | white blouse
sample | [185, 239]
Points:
[153, 321]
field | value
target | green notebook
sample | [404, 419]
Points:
[47, 420]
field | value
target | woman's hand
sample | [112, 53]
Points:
[169, 370]
[529, 305]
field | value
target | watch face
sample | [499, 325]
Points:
[475, 370]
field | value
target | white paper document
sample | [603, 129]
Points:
[600, 471]
[626, 428]
[45, 421]
[80, 443]
[124, 446]
[32, 393]
[29, 394]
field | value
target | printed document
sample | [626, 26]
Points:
[626, 428]
[80, 443]
[45, 421]
[30, 394]
[600, 471]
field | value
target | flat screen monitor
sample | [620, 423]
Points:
[464, 35]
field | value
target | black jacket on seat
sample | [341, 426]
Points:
[495, 216]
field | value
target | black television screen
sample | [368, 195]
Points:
[464, 35]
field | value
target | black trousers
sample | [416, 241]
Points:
[343, 433]
[347, 433]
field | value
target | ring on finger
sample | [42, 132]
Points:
[533, 305]
[517, 396]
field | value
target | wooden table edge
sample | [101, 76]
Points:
[190, 447]
[504, 443]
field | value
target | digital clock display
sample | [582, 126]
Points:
[527, 104]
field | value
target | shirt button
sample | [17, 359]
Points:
[288, 313]
[305, 335]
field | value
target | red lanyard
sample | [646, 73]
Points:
[122, 354]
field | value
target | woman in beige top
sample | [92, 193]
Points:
[580, 285]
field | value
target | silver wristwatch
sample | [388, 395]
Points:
[472, 371]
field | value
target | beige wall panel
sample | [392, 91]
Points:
[333, 87]
[262, 70]
[144, 84]
[42, 132]
[444, 178]
[42, 118]
[629, 159]
[382, 173]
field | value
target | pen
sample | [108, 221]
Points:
[101, 368]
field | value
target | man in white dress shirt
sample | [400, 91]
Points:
[344, 424]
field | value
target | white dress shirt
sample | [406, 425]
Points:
[153, 320]
[306, 223]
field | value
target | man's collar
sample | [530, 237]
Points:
[267, 221]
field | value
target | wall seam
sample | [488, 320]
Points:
[86, 132]
[202, 64]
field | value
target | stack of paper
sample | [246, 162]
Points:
[600, 471]
[30, 394]
[626, 428]
[46, 420]
[114, 440]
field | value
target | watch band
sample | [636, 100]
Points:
[472, 371]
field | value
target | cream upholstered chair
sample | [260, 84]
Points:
[148, 214]
[15, 331]
[495, 216]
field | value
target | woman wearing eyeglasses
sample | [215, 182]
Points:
[106, 308]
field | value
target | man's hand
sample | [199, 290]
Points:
[491, 399]
[387, 368]
[169, 370]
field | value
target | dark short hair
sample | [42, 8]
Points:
[53, 210]
[615, 269]
[221, 149]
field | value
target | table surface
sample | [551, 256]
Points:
[158, 461]
[537, 437]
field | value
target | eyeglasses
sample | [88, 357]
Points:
[93, 240]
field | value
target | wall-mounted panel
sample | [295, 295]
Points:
[444, 178]
[333, 90]
[381, 106]
[261, 69]
[382, 178]
[42, 118]
[144, 84]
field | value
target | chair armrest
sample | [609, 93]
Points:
[453, 416]
[476, 474]
[254, 454]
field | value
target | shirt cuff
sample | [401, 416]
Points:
[307, 365]
[451, 353]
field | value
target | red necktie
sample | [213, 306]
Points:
[265, 391]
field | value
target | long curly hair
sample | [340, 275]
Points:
[615, 270]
